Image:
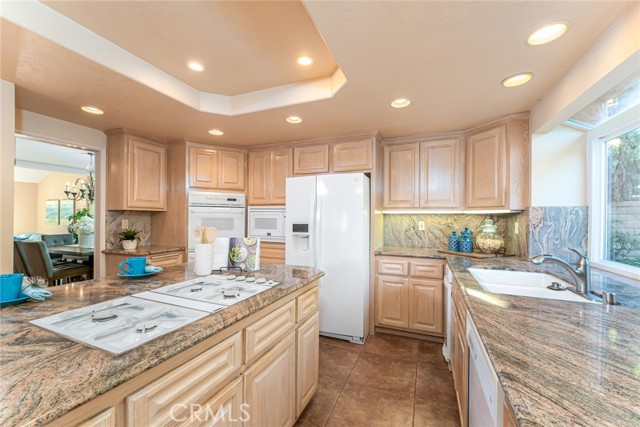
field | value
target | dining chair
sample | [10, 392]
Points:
[19, 259]
[39, 263]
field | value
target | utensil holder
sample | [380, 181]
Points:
[204, 259]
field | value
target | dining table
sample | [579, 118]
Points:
[70, 250]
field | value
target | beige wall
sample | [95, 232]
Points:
[25, 207]
[52, 187]
[559, 168]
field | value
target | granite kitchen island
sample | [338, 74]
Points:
[48, 379]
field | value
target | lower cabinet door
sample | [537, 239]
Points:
[103, 419]
[308, 357]
[426, 313]
[225, 409]
[270, 386]
[392, 302]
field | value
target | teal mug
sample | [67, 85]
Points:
[134, 266]
[10, 286]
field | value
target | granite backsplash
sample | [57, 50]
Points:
[137, 221]
[541, 229]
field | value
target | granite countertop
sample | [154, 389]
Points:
[560, 363]
[410, 252]
[45, 375]
[144, 250]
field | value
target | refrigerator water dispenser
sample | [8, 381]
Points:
[300, 239]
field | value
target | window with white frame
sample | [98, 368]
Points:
[615, 195]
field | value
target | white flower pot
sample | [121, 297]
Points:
[86, 240]
[129, 245]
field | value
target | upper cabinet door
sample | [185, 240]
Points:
[400, 175]
[259, 172]
[352, 156]
[231, 170]
[203, 167]
[440, 174]
[147, 175]
[311, 159]
[486, 169]
[281, 169]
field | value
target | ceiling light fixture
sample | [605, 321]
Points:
[92, 110]
[294, 119]
[548, 33]
[216, 132]
[304, 60]
[517, 79]
[195, 66]
[400, 103]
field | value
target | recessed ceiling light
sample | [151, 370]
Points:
[304, 60]
[400, 103]
[548, 33]
[294, 119]
[216, 132]
[517, 79]
[92, 110]
[195, 66]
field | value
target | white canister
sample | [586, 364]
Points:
[204, 257]
[86, 240]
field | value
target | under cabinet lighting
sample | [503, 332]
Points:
[92, 110]
[548, 33]
[454, 212]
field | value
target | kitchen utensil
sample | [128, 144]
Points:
[210, 234]
[197, 235]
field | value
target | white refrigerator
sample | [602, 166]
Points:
[327, 227]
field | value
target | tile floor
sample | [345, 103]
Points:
[388, 382]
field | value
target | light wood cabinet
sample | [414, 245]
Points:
[441, 174]
[393, 299]
[400, 175]
[261, 335]
[497, 162]
[508, 417]
[216, 168]
[192, 383]
[231, 166]
[136, 172]
[308, 303]
[270, 386]
[272, 252]
[459, 357]
[352, 156]
[268, 173]
[308, 337]
[222, 410]
[426, 311]
[410, 295]
[203, 167]
[311, 159]
[103, 419]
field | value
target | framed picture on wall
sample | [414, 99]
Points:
[67, 209]
[52, 212]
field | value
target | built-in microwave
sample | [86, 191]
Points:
[267, 223]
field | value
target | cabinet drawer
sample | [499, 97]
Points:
[395, 267]
[263, 334]
[227, 401]
[432, 270]
[167, 259]
[103, 419]
[307, 303]
[192, 383]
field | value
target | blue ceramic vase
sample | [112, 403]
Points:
[454, 242]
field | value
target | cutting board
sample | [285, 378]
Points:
[477, 255]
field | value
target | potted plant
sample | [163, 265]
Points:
[84, 229]
[73, 219]
[129, 238]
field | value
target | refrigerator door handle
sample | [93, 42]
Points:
[317, 233]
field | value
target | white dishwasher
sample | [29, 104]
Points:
[485, 392]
